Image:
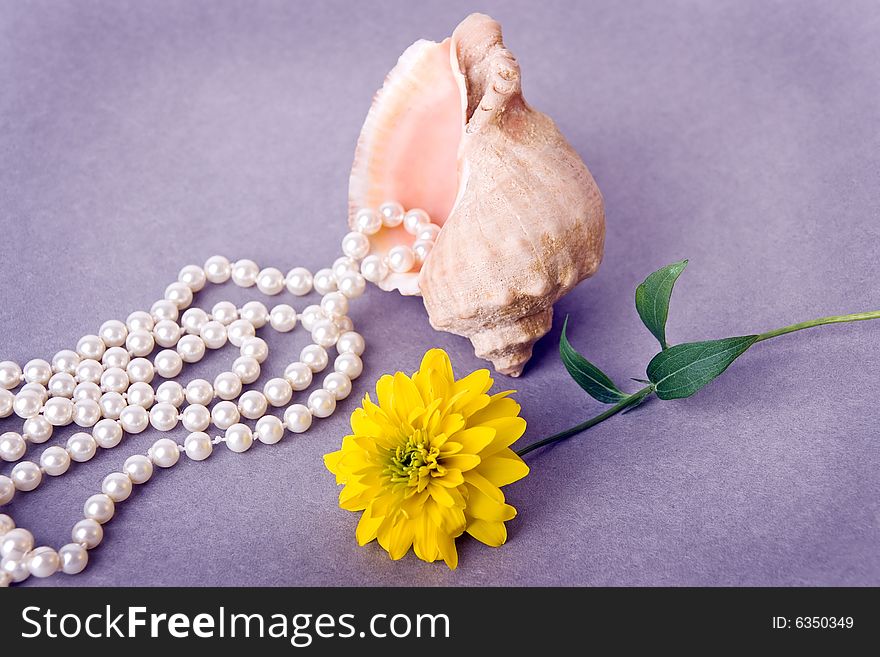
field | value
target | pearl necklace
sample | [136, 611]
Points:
[105, 384]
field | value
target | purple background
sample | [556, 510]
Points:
[139, 137]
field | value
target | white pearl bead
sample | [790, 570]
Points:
[213, 334]
[368, 221]
[37, 371]
[107, 433]
[342, 266]
[43, 562]
[196, 417]
[256, 312]
[10, 375]
[227, 385]
[26, 476]
[37, 388]
[86, 412]
[349, 364]
[116, 357]
[164, 453]
[111, 404]
[141, 394]
[282, 318]
[325, 281]
[270, 281]
[87, 390]
[89, 346]
[6, 401]
[37, 429]
[401, 259]
[99, 508]
[117, 486]
[164, 309]
[414, 219]
[87, 532]
[74, 559]
[139, 343]
[58, 411]
[224, 414]
[180, 294]
[239, 438]
[277, 392]
[7, 492]
[352, 285]
[239, 330]
[166, 333]
[134, 419]
[297, 418]
[139, 320]
[138, 468]
[27, 403]
[191, 348]
[55, 461]
[391, 213]
[421, 250]
[333, 305]
[170, 392]
[350, 342]
[344, 324]
[269, 430]
[14, 570]
[244, 273]
[163, 416]
[16, 543]
[193, 320]
[114, 380]
[66, 360]
[193, 277]
[7, 524]
[12, 446]
[338, 384]
[315, 356]
[252, 404]
[224, 312]
[255, 348]
[428, 233]
[299, 281]
[168, 363]
[325, 333]
[113, 333]
[298, 375]
[355, 245]
[322, 403]
[199, 391]
[217, 269]
[81, 447]
[374, 268]
[198, 446]
[311, 315]
[246, 368]
[140, 369]
[89, 370]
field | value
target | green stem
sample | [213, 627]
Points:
[593, 421]
[637, 397]
[836, 319]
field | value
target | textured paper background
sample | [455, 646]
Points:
[139, 137]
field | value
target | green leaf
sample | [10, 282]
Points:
[652, 299]
[683, 369]
[589, 377]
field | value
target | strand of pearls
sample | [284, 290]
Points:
[105, 384]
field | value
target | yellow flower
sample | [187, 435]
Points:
[426, 464]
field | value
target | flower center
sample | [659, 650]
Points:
[413, 462]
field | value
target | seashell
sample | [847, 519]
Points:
[522, 218]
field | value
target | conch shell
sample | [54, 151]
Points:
[522, 218]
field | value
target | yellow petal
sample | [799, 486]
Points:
[483, 507]
[493, 534]
[406, 396]
[446, 544]
[475, 439]
[477, 480]
[463, 462]
[367, 527]
[499, 405]
[438, 361]
[504, 468]
[507, 431]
